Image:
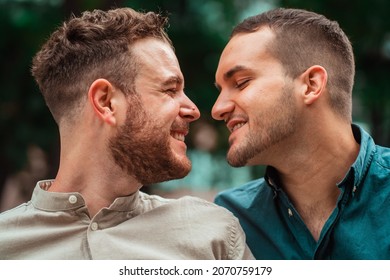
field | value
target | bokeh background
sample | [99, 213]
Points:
[199, 29]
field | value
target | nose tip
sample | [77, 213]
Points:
[188, 109]
[214, 113]
[190, 113]
[218, 111]
[195, 113]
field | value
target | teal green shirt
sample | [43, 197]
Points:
[358, 228]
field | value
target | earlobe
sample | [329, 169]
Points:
[315, 79]
[100, 96]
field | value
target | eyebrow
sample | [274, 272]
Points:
[173, 80]
[233, 71]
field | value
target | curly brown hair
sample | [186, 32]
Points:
[95, 45]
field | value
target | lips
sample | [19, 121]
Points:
[179, 146]
[179, 130]
[235, 124]
[178, 135]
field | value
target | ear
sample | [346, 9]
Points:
[315, 79]
[100, 95]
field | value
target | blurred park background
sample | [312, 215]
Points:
[199, 30]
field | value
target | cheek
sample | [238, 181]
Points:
[252, 102]
[263, 97]
[169, 110]
[163, 114]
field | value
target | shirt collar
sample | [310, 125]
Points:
[58, 201]
[363, 161]
[272, 178]
[358, 169]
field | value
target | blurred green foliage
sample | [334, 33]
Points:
[199, 30]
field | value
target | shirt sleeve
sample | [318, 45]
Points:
[239, 250]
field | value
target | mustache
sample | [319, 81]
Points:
[180, 126]
[235, 115]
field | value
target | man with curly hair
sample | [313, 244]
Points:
[114, 86]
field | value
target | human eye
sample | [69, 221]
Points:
[171, 91]
[241, 84]
[173, 86]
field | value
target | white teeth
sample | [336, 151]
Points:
[178, 136]
[237, 126]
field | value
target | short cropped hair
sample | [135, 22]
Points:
[95, 45]
[304, 39]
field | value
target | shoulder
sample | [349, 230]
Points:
[383, 157]
[202, 206]
[374, 157]
[216, 224]
[186, 205]
[213, 229]
[8, 217]
[201, 220]
[370, 152]
[243, 195]
[154, 200]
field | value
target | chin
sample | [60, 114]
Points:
[185, 168]
[166, 174]
[234, 161]
[237, 157]
[180, 167]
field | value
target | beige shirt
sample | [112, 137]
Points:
[140, 226]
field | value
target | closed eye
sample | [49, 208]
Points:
[171, 91]
[242, 84]
[173, 85]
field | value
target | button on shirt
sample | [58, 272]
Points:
[358, 228]
[57, 226]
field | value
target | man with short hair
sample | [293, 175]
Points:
[114, 86]
[285, 80]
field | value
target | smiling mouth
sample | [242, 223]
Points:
[235, 122]
[178, 136]
[237, 126]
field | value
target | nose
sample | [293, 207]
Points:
[222, 107]
[189, 110]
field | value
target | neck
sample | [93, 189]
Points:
[311, 173]
[89, 170]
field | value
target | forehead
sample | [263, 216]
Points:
[247, 50]
[156, 59]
